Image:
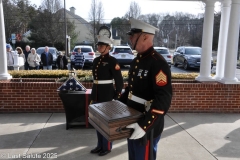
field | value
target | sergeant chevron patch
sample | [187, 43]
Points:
[117, 67]
[161, 78]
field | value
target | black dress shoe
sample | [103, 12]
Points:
[96, 150]
[103, 153]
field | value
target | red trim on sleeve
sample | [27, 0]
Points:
[157, 111]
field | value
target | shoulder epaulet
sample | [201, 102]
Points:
[156, 55]
[113, 58]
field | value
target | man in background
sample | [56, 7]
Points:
[26, 52]
[79, 59]
[47, 59]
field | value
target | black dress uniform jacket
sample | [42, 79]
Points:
[150, 79]
[106, 67]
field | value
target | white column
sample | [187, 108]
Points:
[222, 41]
[3, 55]
[205, 66]
[232, 45]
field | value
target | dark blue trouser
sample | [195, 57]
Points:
[26, 66]
[137, 151]
[103, 142]
[78, 67]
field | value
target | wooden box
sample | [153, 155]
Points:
[111, 118]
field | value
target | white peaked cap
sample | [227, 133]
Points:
[140, 26]
[104, 40]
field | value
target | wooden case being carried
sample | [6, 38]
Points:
[111, 118]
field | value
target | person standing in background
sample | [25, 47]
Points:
[79, 60]
[20, 53]
[26, 53]
[62, 61]
[10, 57]
[33, 60]
[47, 59]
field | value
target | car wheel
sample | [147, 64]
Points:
[185, 65]
[174, 63]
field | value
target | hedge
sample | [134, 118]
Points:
[81, 74]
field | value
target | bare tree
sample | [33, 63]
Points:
[96, 15]
[51, 5]
[48, 26]
[154, 20]
[17, 14]
[134, 11]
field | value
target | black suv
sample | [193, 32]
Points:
[188, 57]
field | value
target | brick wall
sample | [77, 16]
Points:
[188, 96]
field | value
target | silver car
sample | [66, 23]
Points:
[165, 53]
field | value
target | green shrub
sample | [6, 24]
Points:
[82, 75]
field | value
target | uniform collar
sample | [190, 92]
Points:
[147, 52]
[105, 55]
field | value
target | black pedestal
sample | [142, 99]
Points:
[76, 107]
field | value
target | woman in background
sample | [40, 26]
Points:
[62, 61]
[20, 53]
[33, 60]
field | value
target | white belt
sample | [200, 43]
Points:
[146, 103]
[103, 81]
[136, 99]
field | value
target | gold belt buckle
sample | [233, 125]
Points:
[96, 81]
[129, 95]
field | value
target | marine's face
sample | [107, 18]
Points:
[103, 49]
[135, 40]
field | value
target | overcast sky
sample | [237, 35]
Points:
[118, 8]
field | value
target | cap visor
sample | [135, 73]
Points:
[102, 43]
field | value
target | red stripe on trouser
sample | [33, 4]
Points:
[86, 109]
[109, 146]
[147, 151]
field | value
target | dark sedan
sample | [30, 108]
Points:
[188, 57]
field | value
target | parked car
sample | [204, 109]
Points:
[88, 53]
[165, 53]
[123, 54]
[188, 57]
[52, 50]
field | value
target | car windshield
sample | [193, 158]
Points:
[193, 51]
[83, 50]
[162, 51]
[123, 50]
[41, 50]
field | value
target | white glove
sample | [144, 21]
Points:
[138, 131]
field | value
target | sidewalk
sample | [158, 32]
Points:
[187, 136]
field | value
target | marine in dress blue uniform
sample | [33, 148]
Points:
[150, 92]
[105, 70]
